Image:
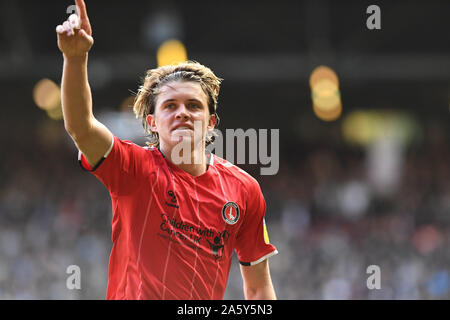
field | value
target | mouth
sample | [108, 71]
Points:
[183, 128]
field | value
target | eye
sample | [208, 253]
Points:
[170, 106]
[194, 106]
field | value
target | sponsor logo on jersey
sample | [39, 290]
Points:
[184, 233]
[230, 212]
[218, 245]
[173, 199]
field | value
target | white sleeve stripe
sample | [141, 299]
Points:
[110, 148]
[267, 256]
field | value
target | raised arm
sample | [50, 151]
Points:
[75, 40]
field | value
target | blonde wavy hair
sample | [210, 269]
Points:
[156, 79]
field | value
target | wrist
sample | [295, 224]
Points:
[76, 58]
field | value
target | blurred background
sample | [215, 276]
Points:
[363, 114]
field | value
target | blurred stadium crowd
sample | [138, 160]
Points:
[333, 209]
[323, 216]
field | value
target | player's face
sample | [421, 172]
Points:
[181, 106]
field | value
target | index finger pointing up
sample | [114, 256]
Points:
[82, 8]
[84, 20]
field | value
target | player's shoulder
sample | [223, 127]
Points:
[134, 146]
[232, 171]
[137, 152]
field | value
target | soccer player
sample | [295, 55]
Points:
[177, 216]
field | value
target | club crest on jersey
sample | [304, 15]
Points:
[230, 212]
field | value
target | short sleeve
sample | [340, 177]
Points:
[252, 241]
[122, 167]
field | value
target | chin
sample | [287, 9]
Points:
[182, 138]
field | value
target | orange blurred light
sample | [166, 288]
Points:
[323, 72]
[328, 115]
[55, 113]
[325, 95]
[171, 52]
[46, 94]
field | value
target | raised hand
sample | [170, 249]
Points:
[75, 35]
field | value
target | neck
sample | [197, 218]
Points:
[193, 162]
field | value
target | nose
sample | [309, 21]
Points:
[182, 112]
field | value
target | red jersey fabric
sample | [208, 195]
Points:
[173, 234]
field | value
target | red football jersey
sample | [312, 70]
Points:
[173, 234]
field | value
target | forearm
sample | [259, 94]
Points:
[265, 292]
[257, 282]
[76, 96]
[75, 41]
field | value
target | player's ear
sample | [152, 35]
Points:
[151, 123]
